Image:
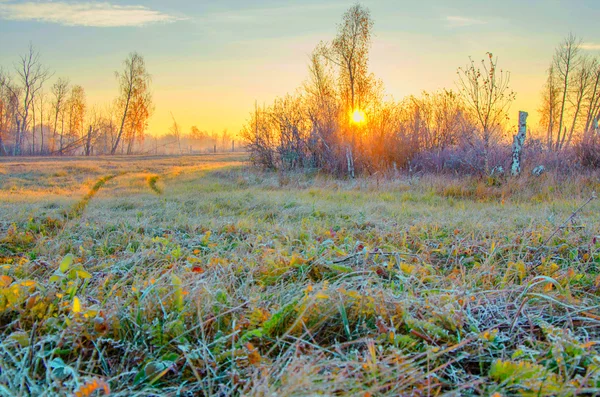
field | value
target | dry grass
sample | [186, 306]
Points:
[240, 283]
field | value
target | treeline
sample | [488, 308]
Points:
[339, 120]
[39, 118]
[195, 141]
[44, 115]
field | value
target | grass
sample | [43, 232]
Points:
[231, 282]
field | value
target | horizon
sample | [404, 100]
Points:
[230, 55]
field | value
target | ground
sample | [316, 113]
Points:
[199, 276]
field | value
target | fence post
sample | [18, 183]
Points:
[518, 143]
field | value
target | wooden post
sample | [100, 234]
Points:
[233, 145]
[215, 149]
[518, 143]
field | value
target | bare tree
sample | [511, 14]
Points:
[350, 52]
[566, 60]
[550, 108]
[584, 78]
[41, 101]
[31, 76]
[486, 92]
[134, 81]
[5, 118]
[593, 100]
[322, 106]
[60, 90]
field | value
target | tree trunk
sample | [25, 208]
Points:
[562, 107]
[88, 145]
[33, 129]
[350, 161]
[518, 143]
[62, 133]
[41, 128]
[114, 148]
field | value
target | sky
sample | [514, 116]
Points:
[211, 60]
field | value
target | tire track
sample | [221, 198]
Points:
[81, 205]
[152, 180]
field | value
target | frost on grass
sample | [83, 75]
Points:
[230, 284]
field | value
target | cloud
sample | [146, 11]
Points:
[83, 13]
[590, 46]
[461, 22]
[260, 14]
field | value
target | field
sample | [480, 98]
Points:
[197, 276]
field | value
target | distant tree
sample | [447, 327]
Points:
[176, 131]
[134, 97]
[584, 79]
[487, 95]
[41, 101]
[566, 60]
[550, 108]
[5, 110]
[571, 95]
[60, 91]
[31, 76]
[77, 106]
[196, 134]
[593, 100]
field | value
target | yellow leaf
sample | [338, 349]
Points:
[76, 305]
[83, 274]
[321, 295]
[297, 260]
[407, 268]
[65, 263]
[521, 269]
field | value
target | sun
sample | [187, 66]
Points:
[358, 116]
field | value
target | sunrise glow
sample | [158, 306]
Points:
[358, 117]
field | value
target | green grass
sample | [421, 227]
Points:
[234, 282]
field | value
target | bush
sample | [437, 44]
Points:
[588, 152]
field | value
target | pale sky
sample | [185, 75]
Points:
[210, 60]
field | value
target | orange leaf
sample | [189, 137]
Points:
[90, 387]
[5, 281]
[253, 356]
[197, 269]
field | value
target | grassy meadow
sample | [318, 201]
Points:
[185, 276]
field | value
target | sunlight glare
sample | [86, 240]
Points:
[358, 117]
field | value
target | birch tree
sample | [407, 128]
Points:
[134, 82]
